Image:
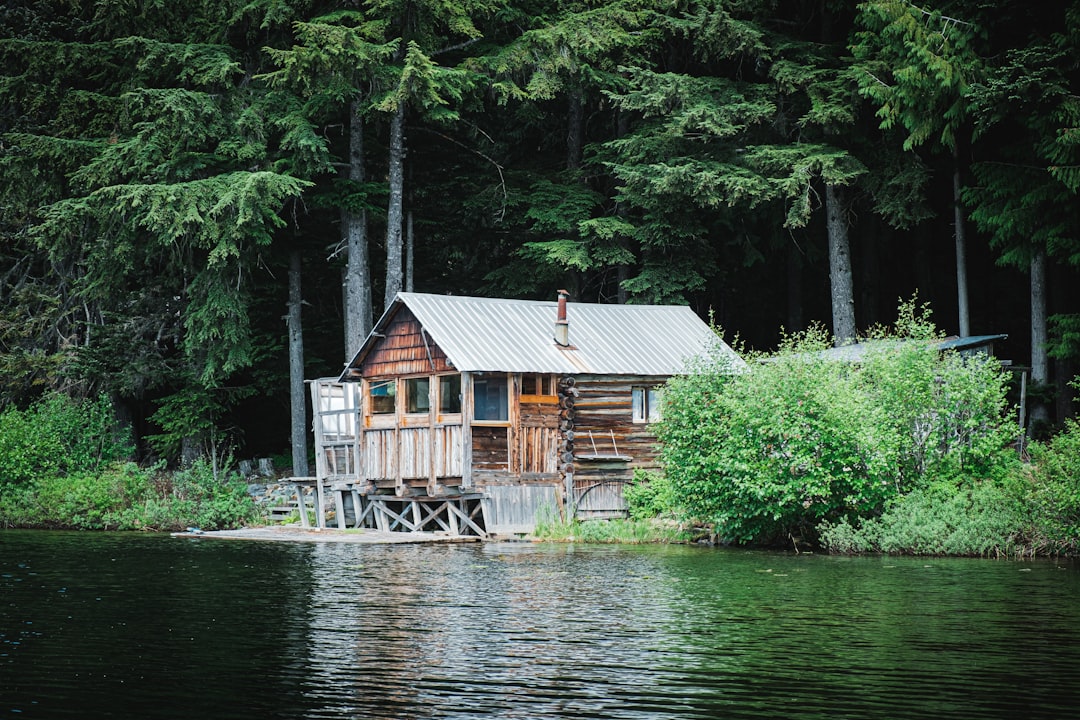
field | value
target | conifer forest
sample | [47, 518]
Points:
[200, 200]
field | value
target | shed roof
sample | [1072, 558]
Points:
[501, 335]
[856, 352]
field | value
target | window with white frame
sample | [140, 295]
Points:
[647, 404]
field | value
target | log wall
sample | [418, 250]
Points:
[604, 443]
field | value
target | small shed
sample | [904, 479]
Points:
[481, 415]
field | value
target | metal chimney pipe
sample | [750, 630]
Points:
[562, 326]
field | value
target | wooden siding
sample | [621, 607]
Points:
[409, 449]
[538, 439]
[538, 450]
[604, 420]
[414, 453]
[405, 350]
[448, 451]
[380, 458]
[490, 449]
[510, 509]
[606, 444]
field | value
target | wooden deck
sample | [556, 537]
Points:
[294, 533]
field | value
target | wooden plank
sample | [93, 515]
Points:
[512, 509]
[466, 430]
[463, 515]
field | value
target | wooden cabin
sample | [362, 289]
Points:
[479, 415]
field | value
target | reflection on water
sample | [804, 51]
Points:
[155, 627]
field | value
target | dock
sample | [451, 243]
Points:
[296, 533]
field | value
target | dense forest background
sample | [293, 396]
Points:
[194, 194]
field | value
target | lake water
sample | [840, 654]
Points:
[149, 626]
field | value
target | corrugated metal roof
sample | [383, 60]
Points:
[856, 352]
[499, 335]
[967, 343]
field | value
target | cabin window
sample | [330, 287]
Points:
[529, 385]
[417, 397]
[450, 394]
[647, 405]
[490, 398]
[381, 397]
[537, 385]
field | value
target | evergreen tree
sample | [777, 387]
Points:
[916, 65]
[162, 193]
[1026, 185]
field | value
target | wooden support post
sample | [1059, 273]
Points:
[339, 508]
[357, 515]
[466, 429]
[301, 505]
[320, 519]
[451, 517]
[417, 522]
[379, 508]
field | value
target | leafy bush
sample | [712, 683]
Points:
[980, 519]
[59, 436]
[650, 495]
[802, 438]
[211, 500]
[1054, 486]
[124, 496]
[89, 501]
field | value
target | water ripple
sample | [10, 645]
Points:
[151, 627]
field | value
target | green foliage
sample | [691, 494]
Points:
[627, 532]
[123, 496]
[650, 495]
[978, 519]
[58, 436]
[99, 500]
[805, 437]
[916, 65]
[192, 415]
[1054, 478]
[205, 497]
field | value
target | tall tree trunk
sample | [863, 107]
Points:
[297, 397]
[961, 252]
[394, 207]
[358, 305]
[842, 287]
[1040, 364]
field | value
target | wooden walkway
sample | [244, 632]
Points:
[295, 533]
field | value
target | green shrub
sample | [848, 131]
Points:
[801, 439]
[98, 500]
[1054, 484]
[979, 519]
[212, 500]
[27, 450]
[123, 496]
[58, 436]
[650, 495]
